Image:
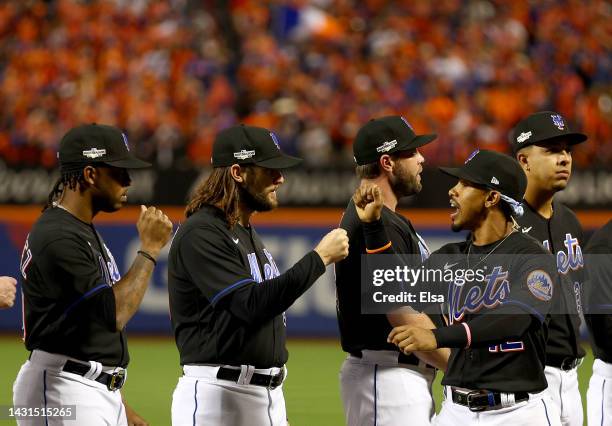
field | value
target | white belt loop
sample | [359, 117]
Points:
[246, 373]
[95, 368]
[507, 399]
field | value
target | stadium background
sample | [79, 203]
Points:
[173, 73]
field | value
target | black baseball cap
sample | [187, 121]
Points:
[386, 135]
[96, 143]
[493, 170]
[543, 127]
[244, 144]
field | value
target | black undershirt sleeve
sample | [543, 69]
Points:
[376, 237]
[260, 302]
[484, 330]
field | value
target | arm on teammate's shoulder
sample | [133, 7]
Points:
[154, 229]
[406, 316]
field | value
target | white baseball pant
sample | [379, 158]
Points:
[203, 400]
[565, 393]
[599, 395]
[42, 383]
[377, 390]
[538, 410]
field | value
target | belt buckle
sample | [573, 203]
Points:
[477, 408]
[569, 363]
[116, 381]
[273, 378]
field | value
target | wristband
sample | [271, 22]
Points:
[147, 256]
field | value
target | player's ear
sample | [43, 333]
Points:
[523, 159]
[385, 162]
[237, 172]
[90, 174]
[492, 199]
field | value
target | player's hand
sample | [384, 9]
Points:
[411, 339]
[8, 288]
[333, 247]
[154, 229]
[133, 419]
[368, 201]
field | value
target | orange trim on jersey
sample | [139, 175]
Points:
[378, 250]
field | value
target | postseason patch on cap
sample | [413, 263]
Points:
[244, 154]
[540, 285]
[387, 146]
[94, 153]
[523, 137]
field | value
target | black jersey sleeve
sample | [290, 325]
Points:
[272, 297]
[533, 282]
[213, 263]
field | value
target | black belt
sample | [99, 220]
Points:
[563, 363]
[402, 358]
[271, 381]
[481, 400]
[112, 381]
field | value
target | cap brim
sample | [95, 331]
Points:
[459, 173]
[423, 140]
[573, 138]
[283, 161]
[129, 163]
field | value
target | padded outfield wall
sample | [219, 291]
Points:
[288, 233]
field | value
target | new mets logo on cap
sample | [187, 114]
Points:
[540, 285]
[472, 155]
[558, 121]
[94, 153]
[275, 140]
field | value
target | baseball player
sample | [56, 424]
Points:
[8, 288]
[76, 304]
[497, 326]
[598, 305]
[227, 296]
[542, 143]
[379, 384]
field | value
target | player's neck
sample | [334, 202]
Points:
[540, 201]
[493, 228]
[244, 215]
[389, 198]
[77, 205]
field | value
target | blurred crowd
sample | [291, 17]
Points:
[173, 73]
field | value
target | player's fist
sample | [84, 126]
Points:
[154, 229]
[8, 288]
[333, 247]
[411, 339]
[368, 201]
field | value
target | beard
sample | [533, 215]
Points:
[404, 184]
[256, 201]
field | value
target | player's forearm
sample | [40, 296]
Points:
[258, 302]
[407, 316]
[483, 330]
[130, 290]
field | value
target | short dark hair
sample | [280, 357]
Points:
[372, 170]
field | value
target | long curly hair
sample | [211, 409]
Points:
[70, 180]
[219, 190]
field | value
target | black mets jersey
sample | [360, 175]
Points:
[562, 235]
[599, 292]
[501, 318]
[227, 296]
[69, 305]
[357, 331]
